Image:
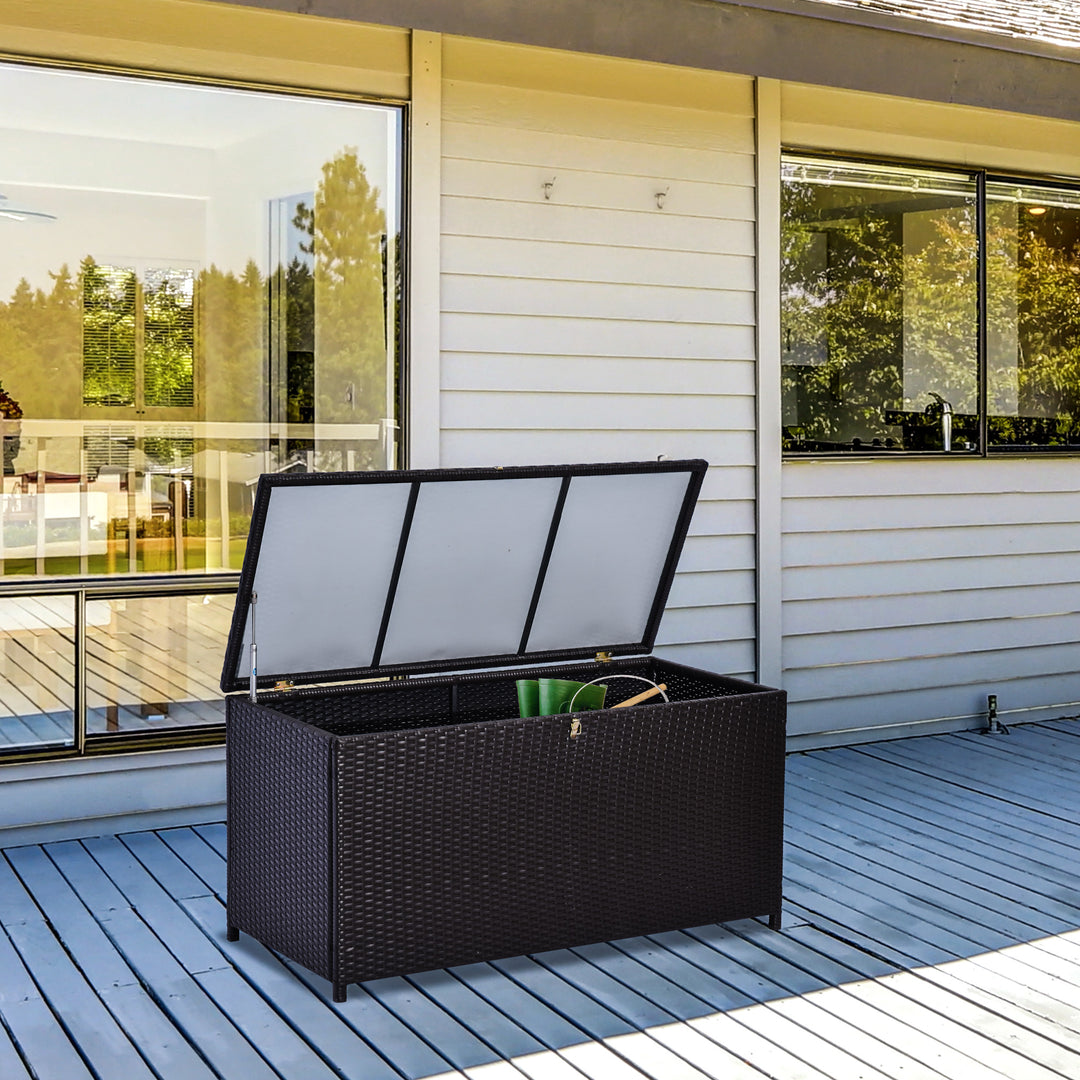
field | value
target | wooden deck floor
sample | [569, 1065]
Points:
[932, 930]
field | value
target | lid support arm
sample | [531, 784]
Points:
[253, 677]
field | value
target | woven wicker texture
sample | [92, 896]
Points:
[279, 866]
[462, 833]
[400, 705]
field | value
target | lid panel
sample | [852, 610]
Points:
[613, 543]
[356, 575]
[470, 569]
[325, 561]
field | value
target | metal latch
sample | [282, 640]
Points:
[575, 728]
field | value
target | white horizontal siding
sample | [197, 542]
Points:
[576, 336]
[593, 325]
[494, 294]
[914, 589]
[677, 269]
[76, 797]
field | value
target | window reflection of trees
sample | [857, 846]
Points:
[177, 342]
[852, 353]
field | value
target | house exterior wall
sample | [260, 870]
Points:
[912, 589]
[594, 324]
[93, 795]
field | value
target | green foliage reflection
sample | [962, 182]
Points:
[879, 314]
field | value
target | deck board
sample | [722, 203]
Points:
[932, 929]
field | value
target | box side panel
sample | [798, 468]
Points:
[279, 865]
[473, 842]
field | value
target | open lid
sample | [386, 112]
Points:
[356, 575]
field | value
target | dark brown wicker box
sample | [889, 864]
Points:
[409, 824]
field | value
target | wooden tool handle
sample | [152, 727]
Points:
[643, 696]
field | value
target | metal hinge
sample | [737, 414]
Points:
[284, 684]
[603, 657]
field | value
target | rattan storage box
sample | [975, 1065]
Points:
[412, 823]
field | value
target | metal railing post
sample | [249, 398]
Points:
[79, 704]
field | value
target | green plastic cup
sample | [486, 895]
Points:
[557, 694]
[528, 692]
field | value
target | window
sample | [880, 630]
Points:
[1032, 316]
[927, 310]
[138, 336]
[198, 284]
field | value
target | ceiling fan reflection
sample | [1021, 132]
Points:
[19, 213]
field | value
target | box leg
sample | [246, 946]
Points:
[775, 920]
[341, 992]
[232, 934]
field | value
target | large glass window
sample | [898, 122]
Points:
[1033, 316]
[927, 310]
[198, 284]
[879, 308]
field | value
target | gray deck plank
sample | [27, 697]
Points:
[923, 928]
[931, 931]
[364, 1016]
[33, 1027]
[73, 937]
[88, 1023]
[191, 1009]
[1007, 1001]
[332, 1038]
[478, 1016]
[215, 833]
[185, 941]
[408, 1051]
[996, 762]
[778, 1029]
[1039, 1005]
[805, 974]
[883, 1015]
[642, 996]
[556, 1032]
[656, 952]
[953, 885]
[985, 1033]
[603, 1020]
[202, 955]
[960, 824]
[12, 1066]
[202, 859]
[450, 1038]
[306, 1013]
[1001, 782]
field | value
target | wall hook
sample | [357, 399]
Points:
[547, 185]
[661, 197]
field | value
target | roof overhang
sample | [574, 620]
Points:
[797, 40]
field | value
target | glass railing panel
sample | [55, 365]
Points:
[37, 672]
[153, 662]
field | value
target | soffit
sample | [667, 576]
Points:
[806, 41]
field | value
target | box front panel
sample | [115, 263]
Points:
[478, 841]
